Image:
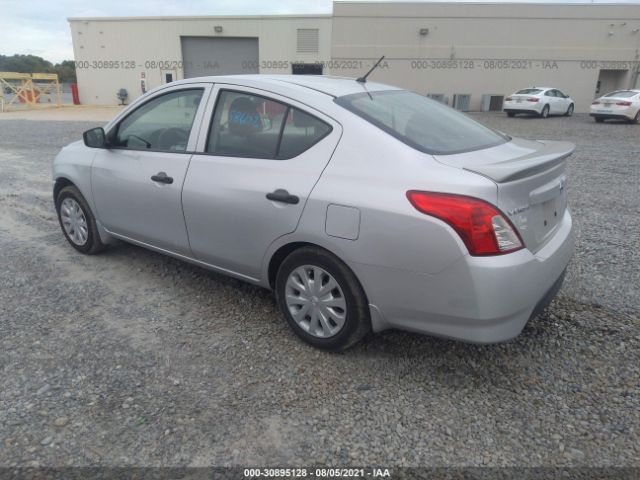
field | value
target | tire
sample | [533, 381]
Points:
[569, 111]
[598, 119]
[511, 114]
[356, 321]
[635, 119]
[545, 111]
[68, 197]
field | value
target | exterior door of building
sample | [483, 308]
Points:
[168, 76]
[206, 56]
[610, 81]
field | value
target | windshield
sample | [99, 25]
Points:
[529, 91]
[420, 122]
[622, 94]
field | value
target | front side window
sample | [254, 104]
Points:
[161, 124]
[252, 126]
[420, 122]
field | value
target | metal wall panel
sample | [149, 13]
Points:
[462, 101]
[205, 56]
[308, 40]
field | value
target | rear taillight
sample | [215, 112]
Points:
[481, 226]
[595, 102]
[508, 99]
[624, 104]
[533, 99]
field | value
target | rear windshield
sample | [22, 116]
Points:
[421, 123]
[529, 91]
[622, 93]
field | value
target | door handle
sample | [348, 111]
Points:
[281, 195]
[162, 177]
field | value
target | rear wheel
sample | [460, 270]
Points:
[569, 111]
[545, 111]
[599, 119]
[322, 300]
[77, 222]
[511, 114]
[636, 119]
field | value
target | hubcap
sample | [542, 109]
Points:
[74, 222]
[315, 301]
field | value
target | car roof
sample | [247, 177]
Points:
[623, 90]
[539, 88]
[328, 85]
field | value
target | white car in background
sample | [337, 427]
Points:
[620, 105]
[539, 101]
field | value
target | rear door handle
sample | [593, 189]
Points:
[162, 177]
[281, 195]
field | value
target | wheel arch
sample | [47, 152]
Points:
[59, 184]
[283, 252]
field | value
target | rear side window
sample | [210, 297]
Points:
[253, 126]
[420, 122]
[301, 132]
[245, 126]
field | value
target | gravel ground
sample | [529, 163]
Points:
[133, 358]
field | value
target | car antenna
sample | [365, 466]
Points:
[363, 79]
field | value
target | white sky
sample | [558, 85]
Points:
[39, 27]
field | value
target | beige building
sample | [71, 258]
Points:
[469, 55]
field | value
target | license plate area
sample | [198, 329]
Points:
[548, 215]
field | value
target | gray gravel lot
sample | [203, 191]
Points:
[133, 358]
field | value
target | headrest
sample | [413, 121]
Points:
[243, 118]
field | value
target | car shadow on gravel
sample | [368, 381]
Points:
[391, 344]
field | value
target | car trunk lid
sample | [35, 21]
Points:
[530, 177]
[520, 98]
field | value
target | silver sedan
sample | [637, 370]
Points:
[363, 206]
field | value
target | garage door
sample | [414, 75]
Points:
[203, 56]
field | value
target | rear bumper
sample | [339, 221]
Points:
[476, 299]
[523, 108]
[613, 116]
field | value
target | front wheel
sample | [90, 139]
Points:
[545, 111]
[569, 111]
[322, 300]
[511, 114]
[77, 222]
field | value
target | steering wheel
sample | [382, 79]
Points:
[172, 137]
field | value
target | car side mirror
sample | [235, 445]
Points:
[95, 138]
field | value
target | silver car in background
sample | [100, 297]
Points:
[363, 206]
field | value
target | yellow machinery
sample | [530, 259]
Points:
[28, 88]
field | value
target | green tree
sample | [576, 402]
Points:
[66, 69]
